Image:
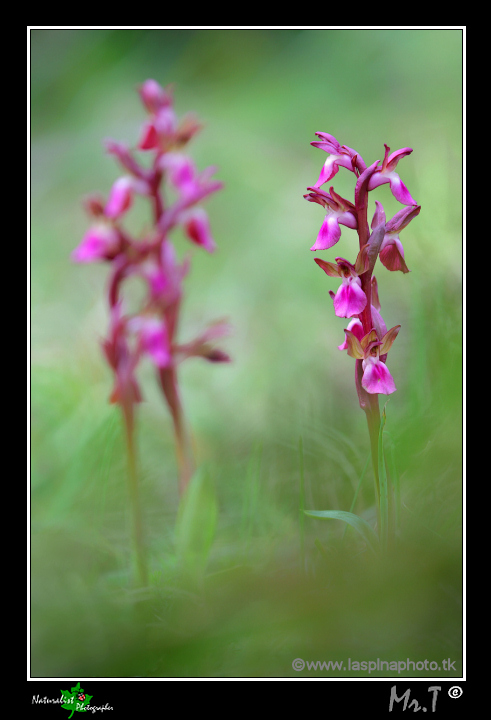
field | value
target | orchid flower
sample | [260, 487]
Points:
[123, 360]
[339, 211]
[387, 174]
[356, 327]
[162, 132]
[101, 242]
[350, 299]
[121, 196]
[197, 228]
[376, 376]
[153, 339]
[391, 250]
[340, 155]
[203, 346]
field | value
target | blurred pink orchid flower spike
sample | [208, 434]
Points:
[175, 190]
[367, 339]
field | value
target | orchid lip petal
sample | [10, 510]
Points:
[120, 198]
[197, 228]
[329, 170]
[377, 378]
[350, 299]
[329, 233]
[377, 179]
[392, 254]
[99, 243]
[399, 190]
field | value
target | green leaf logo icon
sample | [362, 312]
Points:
[75, 700]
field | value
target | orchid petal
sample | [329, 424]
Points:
[377, 179]
[197, 228]
[330, 139]
[149, 139]
[369, 338]
[353, 345]
[331, 269]
[392, 254]
[394, 158]
[375, 299]
[402, 218]
[399, 190]
[378, 322]
[379, 215]
[99, 243]
[377, 378]
[329, 233]
[388, 339]
[155, 341]
[362, 260]
[120, 198]
[356, 328]
[350, 299]
[154, 96]
[348, 219]
[329, 170]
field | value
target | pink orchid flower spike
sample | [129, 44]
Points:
[387, 174]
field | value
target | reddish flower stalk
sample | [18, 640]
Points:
[367, 339]
[152, 329]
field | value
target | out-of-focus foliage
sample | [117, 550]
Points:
[262, 94]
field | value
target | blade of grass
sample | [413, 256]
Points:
[355, 521]
[301, 504]
[358, 490]
[390, 451]
[384, 505]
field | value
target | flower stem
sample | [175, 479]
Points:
[373, 420]
[368, 401]
[136, 521]
[185, 462]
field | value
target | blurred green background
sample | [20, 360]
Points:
[261, 94]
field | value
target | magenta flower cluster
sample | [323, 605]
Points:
[367, 338]
[168, 179]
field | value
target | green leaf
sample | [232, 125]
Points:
[196, 524]
[71, 701]
[355, 521]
